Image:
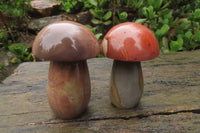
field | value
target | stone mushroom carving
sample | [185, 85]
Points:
[128, 44]
[67, 45]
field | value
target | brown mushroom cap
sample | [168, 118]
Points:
[65, 41]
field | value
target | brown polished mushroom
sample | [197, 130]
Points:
[128, 44]
[67, 45]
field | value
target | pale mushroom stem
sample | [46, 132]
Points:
[68, 88]
[126, 86]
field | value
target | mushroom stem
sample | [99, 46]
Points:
[68, 88]
[126, 85]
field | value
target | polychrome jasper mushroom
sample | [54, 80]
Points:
[128, 44]
[67, 45]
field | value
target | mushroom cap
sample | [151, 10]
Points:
[130, 42]
[65, 41]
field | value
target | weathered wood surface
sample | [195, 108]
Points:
[170, 103]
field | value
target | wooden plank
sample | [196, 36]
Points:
[170, 101]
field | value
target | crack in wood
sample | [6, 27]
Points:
[23, 113]
[140, 116]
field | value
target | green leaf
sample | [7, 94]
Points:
[107, 22]
[15, 60]
[19, 50]
[164, 21]
[100, 56]
[180, 41]
[137, 4]
[144, 11]
[89, 26]
[154, 24]
[197, 36]
[93, 2]
[93, 29]
[1, 65]
[140, 21]
[98, 35]
[177, 45]
[97, 13]
[128, 3]
[92, 11]
[28, 58]
[117, 20]
[108, 15]
[174, 46]
[123, 16]
[168, 15]
[16, 48]
[102, 3]
[186, 43]
[155, 3]
[149, 12]
[193, 44]
[163, 31]
[163, 12]
[188, 35]
[197, 14]
[96, 21]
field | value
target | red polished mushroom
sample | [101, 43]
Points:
[128, 44]
[67, 45]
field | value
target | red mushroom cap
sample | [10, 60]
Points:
[130, 42]
[65, 41]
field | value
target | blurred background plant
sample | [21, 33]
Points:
[13, 14]
[174, 23]
[1, 65]
[13, 17]
[21, 53]
[73, 6]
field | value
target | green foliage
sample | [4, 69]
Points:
[164, 17]
[100, 56]
[149, 12]
[68, 5]
[195, 16]
[135, 4]
[15, 8]
[3, 36]
[188, 31]
[94, 30]
[159, 17]
[1, 65]
[162, 31]
[75, 5]
[121, 17]
[13, 14]
[177, 45]
[97, 35]
[21, 52]
[196, 4]
[156, 4]
[99, 3]
[175, 23]
[101, 17]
